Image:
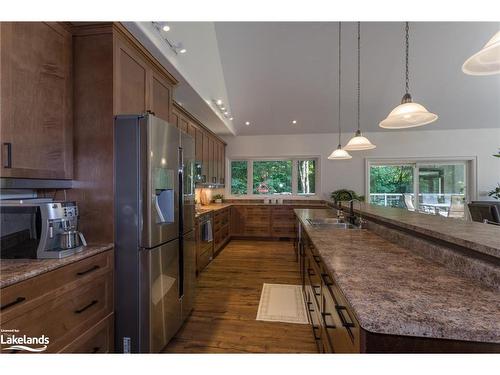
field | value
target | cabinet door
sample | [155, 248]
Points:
[160, 96]
[206, 161]
[131, 79]
[175, 118]
[211, 169]
[191, 130]
[220, 161]
[237, 220]
[199, 145]
[183, 124]
[36, 109]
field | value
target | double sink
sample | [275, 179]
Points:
[332, 223]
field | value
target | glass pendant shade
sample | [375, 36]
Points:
[408, 115]
[359, 143]
[339, 154]
[486, 61]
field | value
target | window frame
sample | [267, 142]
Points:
[470, 163]
[294, 159]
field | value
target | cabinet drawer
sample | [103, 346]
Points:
[203, 260]
[63, 316]
[339, 327]
[98, 339]
[32, 291]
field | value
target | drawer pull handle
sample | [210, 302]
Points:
[91, 269]
[344, 321]
[314, 333]
[79, 311]
[310, 272]
[10, 304]
[317, 258]
[326, 279]
[316, 292]
[329, 326]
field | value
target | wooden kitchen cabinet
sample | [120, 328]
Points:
[131, 77]
[37, 91]
[221, 225]
[160, 95]
[139, 85]
[209, 149]
[68, 305]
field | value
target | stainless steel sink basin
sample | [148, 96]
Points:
[324, 221]
[332, 223]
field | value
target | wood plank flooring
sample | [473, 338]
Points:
[223, 319]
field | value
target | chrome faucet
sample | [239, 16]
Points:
[352, 216]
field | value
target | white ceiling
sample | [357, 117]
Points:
[277, 72]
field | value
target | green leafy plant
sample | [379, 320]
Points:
[495, 193]
[343, 195]
[218, 196]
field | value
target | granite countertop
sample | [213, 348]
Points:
[16, 270]
[483, 238]
[395, 291]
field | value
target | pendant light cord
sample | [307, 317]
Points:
[340, 38]
[407, 70]
[359, 74]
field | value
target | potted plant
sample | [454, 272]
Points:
[343, 195]
[495, 193]
[218, 198]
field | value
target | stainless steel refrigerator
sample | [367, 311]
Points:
[155, 256]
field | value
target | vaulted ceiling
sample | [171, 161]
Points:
[277, 72]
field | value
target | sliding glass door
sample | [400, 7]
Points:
[432, 187]
[442, 188]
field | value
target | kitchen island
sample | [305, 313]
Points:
[395, 299]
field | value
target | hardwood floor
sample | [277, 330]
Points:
[223, 319]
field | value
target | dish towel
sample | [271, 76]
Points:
[207, 231]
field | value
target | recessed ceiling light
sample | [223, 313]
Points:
[294, 121]
[182, 50]
[166, 28]
[223, 108]
[230, 119]
[226, 113]
[247, 123]
[219, 102]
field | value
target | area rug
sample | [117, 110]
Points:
[282, 303]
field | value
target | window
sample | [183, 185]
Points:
[239, 171]
[306, 176]
[274, 177]
[434, 187]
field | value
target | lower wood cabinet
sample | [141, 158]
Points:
[98, 339]
[221, 228]
[266, 221]
[72, 306]
[334, 324]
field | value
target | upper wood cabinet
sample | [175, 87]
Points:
[36, 108]
[131, 74]
[139, 85]
[161, 96]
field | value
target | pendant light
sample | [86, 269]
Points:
[358, 142]
[408, 114]
[485, 62]
[339, 153]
